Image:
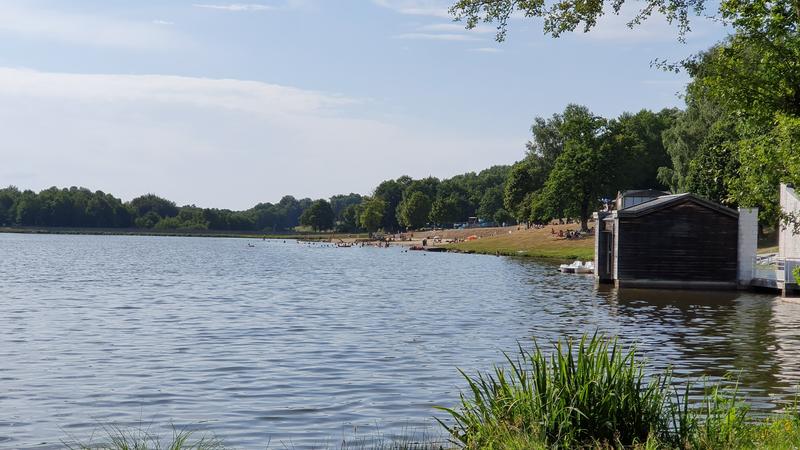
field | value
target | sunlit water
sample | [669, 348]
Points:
[297, 345]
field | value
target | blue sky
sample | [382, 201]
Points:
[229, 104]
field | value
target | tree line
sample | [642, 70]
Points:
[394, 205]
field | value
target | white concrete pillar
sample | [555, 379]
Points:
[748, 244]
[788, 241]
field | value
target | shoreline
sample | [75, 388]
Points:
[177, 233]
[515, 241]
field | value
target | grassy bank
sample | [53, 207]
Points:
[540, 243]
[181, 233]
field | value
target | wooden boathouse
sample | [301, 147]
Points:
[677, 241]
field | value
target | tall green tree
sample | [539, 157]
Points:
[318, 216]
[525, 179]
[547, 141]
[754, 78]
[151, 202]
[371, 216]
[683, 140]
[349, 218]
[576, 182]
[428, 186]
[715, 169]
[414, 210]
[447, 210]
[391, 193]
[341, 202]
[637, 141]
[491, 202]
[8, 200]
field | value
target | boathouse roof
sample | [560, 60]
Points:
[641, 193]
[668, 201]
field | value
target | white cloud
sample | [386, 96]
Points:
[237, 7]
[250, 97]
[437, 36]
[432, 8]
[455, 28]
[163, 22]
[444, 32]
[214, 142]
[24, 19]
[486, 50]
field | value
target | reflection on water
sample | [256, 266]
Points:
[714, 333]
[297, 344]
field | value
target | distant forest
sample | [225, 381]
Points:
[443, 201]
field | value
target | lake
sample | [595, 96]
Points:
[298, 345]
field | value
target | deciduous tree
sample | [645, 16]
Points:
[318, 216]
[413, 211]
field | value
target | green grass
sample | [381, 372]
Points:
[498, 246]
[771, 249]
[594, 393]
[539, 243]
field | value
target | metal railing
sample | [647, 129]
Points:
[772, 267]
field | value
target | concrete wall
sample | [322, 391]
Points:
[748, 244]
[788, 242]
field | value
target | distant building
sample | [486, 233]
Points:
[674, 241]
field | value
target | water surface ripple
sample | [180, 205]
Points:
[298, 344]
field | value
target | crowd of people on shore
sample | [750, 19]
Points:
[569, 234]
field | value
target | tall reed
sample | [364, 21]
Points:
[141, 438]
[590, 392]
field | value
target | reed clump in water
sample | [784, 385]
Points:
[141, 438]
[594, 393]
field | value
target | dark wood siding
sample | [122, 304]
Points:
[682, 242]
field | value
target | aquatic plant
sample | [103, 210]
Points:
[592, 391]
[141, 438]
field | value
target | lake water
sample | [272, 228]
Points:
[297, 345]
